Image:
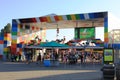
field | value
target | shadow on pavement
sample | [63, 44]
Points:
[40, 72]
[71, 76]
[20, 66]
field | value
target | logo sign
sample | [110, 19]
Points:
[87, 33]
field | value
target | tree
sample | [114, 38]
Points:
[7, 28]
[2, 32]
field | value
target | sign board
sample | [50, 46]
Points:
[85, 33]
[108, 55]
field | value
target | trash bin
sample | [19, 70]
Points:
[108, 71]
[118, 71]
[47, 63]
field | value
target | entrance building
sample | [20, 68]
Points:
[26, 29]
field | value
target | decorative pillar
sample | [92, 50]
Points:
[106, 30]
[1, 46]
[14, 37]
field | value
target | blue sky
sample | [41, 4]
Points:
[13, 9]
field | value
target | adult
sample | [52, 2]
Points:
[39, 58]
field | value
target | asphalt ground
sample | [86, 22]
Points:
[33, 71]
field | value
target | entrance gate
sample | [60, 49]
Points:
[23, 30]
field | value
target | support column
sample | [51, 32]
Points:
[14, 37]
[7, 44]
[106, 30]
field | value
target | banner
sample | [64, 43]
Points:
[87, 33]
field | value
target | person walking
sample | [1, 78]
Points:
[81, 58]
[38, 59]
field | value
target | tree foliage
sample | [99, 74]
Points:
[6, 29]
[2, 32]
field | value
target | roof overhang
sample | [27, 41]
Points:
[65, 21]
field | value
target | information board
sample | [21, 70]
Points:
[108, 55]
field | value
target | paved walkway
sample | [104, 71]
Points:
[22, 71]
